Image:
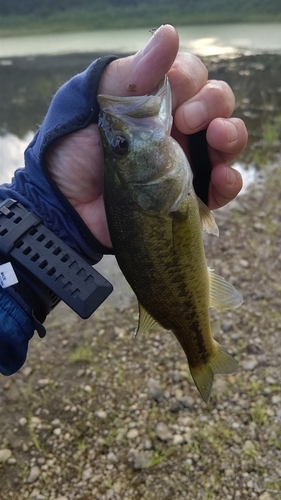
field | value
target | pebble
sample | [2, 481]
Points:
[43, 382]
[226, 326]
[187, 401]
[33, 474]
[249, 364]
[178, 439]
[132, 434]
[87, 473]
[155, 389]
[5, 454]
[22, 421]
[142, 459]
[147, 444]
[265, 496]
[248, 446]
[37, 495]
[162, 432]
[26, 371]
[101, 414]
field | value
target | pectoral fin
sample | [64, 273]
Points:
[146, 322]
[209, 224]
[223, 295]
[203, 376]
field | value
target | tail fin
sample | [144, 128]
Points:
[203, 376]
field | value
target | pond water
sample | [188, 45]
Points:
[202, 40]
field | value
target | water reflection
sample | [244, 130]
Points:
[28, 84]
[12, 150]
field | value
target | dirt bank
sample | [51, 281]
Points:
[97, 414]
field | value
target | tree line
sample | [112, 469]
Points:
[41, 9]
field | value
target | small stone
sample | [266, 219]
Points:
[87, 388]
[87, 474]
[178, 439]
[228, 472]
[34, 493]
[265, 496]
[248, 446]
[187, 435]
[244, 263]
[101, 414]
[5, 454]
[22, 421]
[132, 434]
[162, 432]
[226, 326]
[249, 364]
[55, 422]
[26, 371]
[176, 376]
[57, 431]
[61, 498]
[11, 461]
[142, 459]
[155, 389]
[43, 382]
[187, 401]
[34, 474]
[147, 444]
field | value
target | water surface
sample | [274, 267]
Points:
[202, 40]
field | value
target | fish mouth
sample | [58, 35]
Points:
[158, 104]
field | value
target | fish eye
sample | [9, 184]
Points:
[120, 145]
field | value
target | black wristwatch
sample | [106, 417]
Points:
[47, 269]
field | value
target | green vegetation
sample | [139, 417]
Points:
[271, 134]
[31, 16]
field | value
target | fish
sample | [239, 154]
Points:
[155, 222]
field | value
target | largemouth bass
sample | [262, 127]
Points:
[155, 221]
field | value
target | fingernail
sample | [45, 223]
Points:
[230, 176]
[231, 131]
[195, 115]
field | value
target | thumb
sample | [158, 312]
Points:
[141, 73]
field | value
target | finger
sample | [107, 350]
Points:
[225, 185]
[141, 73]
[227, 138]
[187, 76]
[214, 99]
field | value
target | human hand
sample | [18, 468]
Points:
[197, 104]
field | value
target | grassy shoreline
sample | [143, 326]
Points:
[78, 20]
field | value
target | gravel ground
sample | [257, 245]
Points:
[97, 414]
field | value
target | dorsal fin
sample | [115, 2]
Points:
[223, 295]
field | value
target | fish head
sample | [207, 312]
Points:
[139, 152]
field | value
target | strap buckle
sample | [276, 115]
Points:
[40, 253]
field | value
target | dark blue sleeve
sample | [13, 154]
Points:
[73, 108]
[16, 329]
